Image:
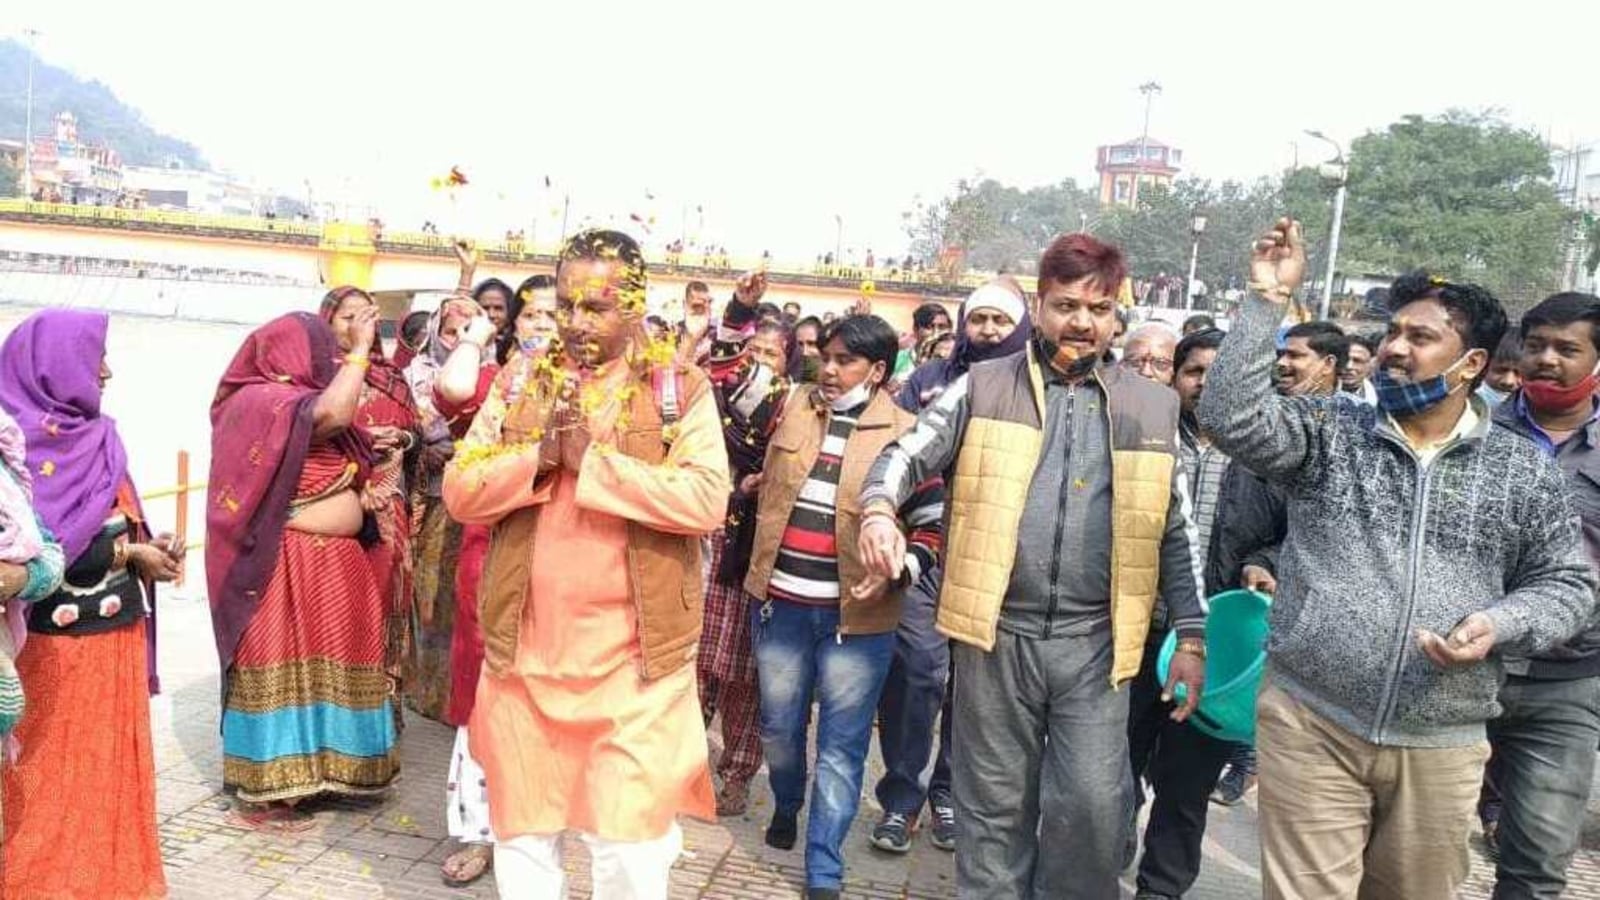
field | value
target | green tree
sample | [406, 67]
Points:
[1464, 194]
[10, 180]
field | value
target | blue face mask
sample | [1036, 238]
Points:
[1409, 398]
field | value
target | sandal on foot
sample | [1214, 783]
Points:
[467, 865]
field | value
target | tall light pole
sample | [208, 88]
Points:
[27, 139]
[1340, 171]
[838, 240]
[1149, 89]
[1197, 225]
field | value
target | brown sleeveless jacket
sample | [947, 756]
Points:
[664, 577]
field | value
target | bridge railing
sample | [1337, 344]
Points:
[162, 217]
[689, 262]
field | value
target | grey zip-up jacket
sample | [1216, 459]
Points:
[1380, 546]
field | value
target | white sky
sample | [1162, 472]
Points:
[775, 117]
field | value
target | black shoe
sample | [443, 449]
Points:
[1146, 895]
[783, 831]
[944, 820]
[1234, 784]
[822, 894]
[893, 833]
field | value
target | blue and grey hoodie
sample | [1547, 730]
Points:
[1380, 546]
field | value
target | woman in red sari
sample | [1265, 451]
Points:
[389, 417]
[297, 611]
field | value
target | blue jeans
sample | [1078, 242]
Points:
[1543, 764]
[800, 653]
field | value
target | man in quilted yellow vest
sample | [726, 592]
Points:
[1068, 515]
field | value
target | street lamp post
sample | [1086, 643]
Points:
[1149, 89]
[838, 241]
[27, 140]
[1340, 170]
[1197, 225]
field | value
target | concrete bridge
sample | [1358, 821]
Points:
[250, 269]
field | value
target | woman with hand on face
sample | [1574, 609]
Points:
[296, 607]
[389, 417]
[83, 787]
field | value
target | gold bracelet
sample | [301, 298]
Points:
[1192, 646]
[360, 360]
[119, 557]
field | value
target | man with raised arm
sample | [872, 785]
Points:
[1422, 544]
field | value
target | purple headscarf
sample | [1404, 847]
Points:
[50, 383]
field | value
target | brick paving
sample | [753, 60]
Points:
[392, 848]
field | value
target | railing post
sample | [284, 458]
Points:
[183, 512]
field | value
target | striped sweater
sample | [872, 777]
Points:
[807, 566]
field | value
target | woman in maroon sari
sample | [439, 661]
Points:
[297, 611]
[389, 417]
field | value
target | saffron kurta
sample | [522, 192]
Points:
[574, 738]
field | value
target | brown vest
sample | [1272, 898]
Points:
[791, 453]
[664, 576]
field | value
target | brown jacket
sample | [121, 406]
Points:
[791, 453]
[664, 575]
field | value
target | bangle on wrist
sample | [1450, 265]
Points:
[360, 360]
[1192, 646]
[119, 557]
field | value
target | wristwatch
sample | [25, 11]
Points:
[1192, 646]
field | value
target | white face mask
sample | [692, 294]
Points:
[853, 398]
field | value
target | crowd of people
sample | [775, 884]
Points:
[585, 537]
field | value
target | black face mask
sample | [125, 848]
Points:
[1072, 368]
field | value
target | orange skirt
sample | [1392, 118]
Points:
[80, 803]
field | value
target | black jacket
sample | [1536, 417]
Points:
[1252, 520]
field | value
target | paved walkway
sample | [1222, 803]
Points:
[393, 848]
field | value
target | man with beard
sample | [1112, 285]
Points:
[1544, 740]
[1068, 516]
[994, 323]
[608, 470]
[1423, 544]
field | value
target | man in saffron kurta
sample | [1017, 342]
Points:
[587, 717]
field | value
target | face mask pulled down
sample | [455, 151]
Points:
[1550, 397]
[1064, 360]
[1402, 398]
[852, 398]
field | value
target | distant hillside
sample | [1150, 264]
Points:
[102, 118]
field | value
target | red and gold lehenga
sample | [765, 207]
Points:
[308, 708]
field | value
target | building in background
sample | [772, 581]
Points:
[67, 170]
[175, 186]
[1119, 165]
[1577, 183]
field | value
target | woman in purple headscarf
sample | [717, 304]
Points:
[83, 787]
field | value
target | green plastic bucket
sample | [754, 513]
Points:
[1236, 652]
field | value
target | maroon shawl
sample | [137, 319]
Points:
[261, 430]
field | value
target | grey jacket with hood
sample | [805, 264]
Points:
[1380, 546]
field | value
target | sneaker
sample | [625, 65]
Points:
[893, 833]
[783, 831]
[943, 811]
[822, 894]
[1232, 787]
